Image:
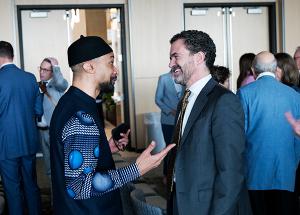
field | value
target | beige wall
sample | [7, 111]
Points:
[150, 24]
[59, 2]
[150, 50]
[8, 26]
[80, 27]
[292, 25]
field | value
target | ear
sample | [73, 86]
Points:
[199, 58]
[89, 67]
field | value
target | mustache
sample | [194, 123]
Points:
[113, 78]
[174, 68]
[108, 87]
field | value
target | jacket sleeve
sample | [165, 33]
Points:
[59, 82]
[38, 105]
[245, 108]
[82, 150]
[160, 95]
[229, 144]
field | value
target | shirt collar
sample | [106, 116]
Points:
[198, 85]
[265, 74]
[48, 81]
[5, 64]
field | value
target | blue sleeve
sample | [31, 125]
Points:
[60, 83]
[81, 153]
[38, 106]
[160, 95]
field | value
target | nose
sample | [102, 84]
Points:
[172, 62]
[115, 71]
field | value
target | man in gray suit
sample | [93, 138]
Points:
[167, 96]
[208, 171]
[53, 86]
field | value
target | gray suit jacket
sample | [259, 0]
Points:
[166, 98]
[55, 88]
[209, 164]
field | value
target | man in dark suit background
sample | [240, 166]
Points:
[209, 169]
[20, 103]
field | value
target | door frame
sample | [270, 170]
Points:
[121, 7]
[271, 9]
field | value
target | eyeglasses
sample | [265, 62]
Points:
[41, 69]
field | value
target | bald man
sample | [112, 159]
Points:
[272, 150]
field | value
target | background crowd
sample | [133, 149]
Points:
[233, 153]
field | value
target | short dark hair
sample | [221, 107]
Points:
[196, 41]
[48, 61]
[220, 73]
[6, 50]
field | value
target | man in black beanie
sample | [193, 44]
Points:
[84, 177]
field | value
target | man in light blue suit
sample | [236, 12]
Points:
[167, 96]
[20, 103]
[272, 149]
[53, 86]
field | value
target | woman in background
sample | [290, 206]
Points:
[246, 74]
[287, 71]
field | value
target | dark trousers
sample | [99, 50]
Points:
[19, 182]
[273, 202]
[168, 133]
[297, 182]
[172, 208]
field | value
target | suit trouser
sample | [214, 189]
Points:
[18, 175]
[172, 208]
[273, 202]
[45, 142]
[168, 133]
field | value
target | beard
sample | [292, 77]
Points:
[108, 87]
[178, 75]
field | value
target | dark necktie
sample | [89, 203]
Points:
[176, 140]
[43, 86]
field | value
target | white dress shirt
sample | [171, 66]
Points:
[195, 91]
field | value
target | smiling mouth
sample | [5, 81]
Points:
[176, 69]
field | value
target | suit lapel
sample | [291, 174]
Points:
[198, 107]
[50, 84]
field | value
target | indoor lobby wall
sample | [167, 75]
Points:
[149, 26]
[292, 25]
[152, 24]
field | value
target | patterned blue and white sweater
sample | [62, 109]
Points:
[84, 178]
[82, 150]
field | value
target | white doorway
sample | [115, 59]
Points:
[49, 30]
[235, 29]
